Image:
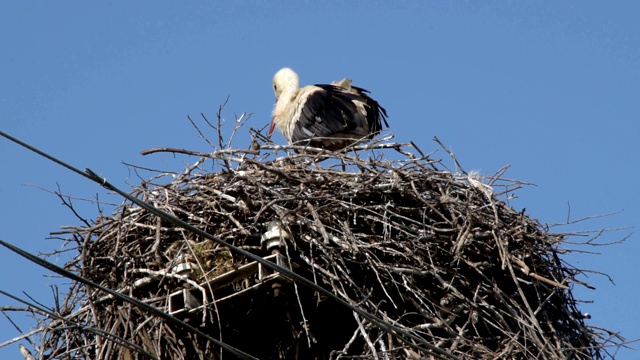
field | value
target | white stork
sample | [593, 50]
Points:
[325, 116]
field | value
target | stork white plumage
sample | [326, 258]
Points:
[325, 116]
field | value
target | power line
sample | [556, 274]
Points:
[94, 330]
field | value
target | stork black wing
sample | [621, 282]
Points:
[377, 113]
[325, 112]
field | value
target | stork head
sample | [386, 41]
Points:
[285, 80]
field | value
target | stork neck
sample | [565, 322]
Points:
[286, 97]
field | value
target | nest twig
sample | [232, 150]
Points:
[383, 226]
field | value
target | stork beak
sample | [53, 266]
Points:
[273, 126]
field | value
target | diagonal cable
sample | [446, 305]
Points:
[99, 332]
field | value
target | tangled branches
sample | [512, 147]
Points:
[383, 227]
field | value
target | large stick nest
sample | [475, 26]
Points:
[384, 227]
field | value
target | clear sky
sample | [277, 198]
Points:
[550, 88]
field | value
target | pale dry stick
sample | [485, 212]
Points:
[264, 167]
[27, 309]
[155, 249]
[219, 193]
[221, 122]
[305, 323]
[392, 223]
[462, 238]
[189, 169]
[105, 351]
[242, 229]
[315, 266]
[202, 136]
[162, 274]
[26, 354]
[425, 202]
[375, 271]
[451, 154]
[525, 269]
[219, 115]
[532, 318]
[421, 306]
[239, 122]
[334, 239]
[62, 196]
[498, 175]
[146, 339]
[147, 320]
[331, 154]
[346, 347]
[337, 264]
[383, 349]
[216, 154]
[365, 336]
[23, 336]
[318, 222]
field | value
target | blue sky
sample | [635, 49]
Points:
[551, 89]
